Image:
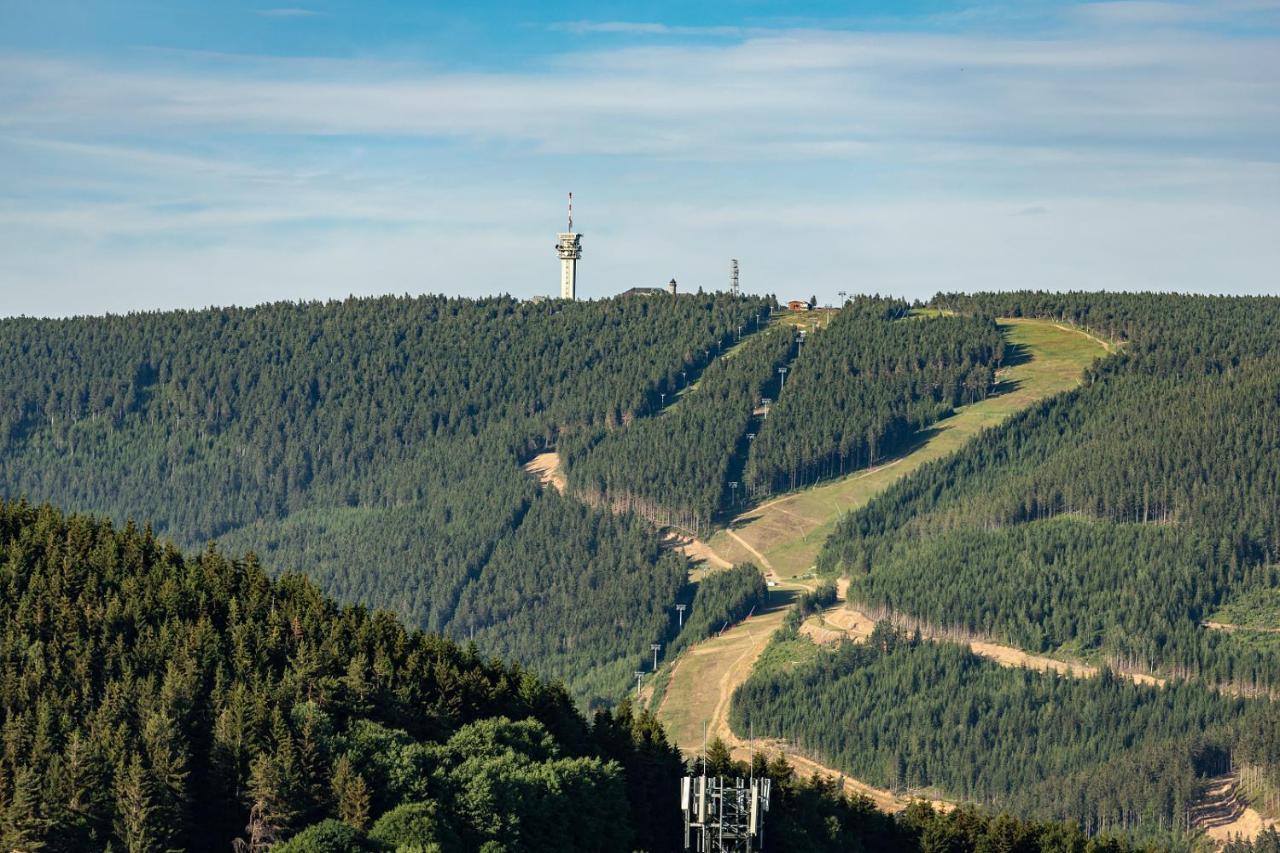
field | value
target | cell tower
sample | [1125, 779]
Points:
[723, 815]
[569, 248]
[733, 276]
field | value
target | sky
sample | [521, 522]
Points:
[169, 154]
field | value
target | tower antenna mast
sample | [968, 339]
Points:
[569, 250]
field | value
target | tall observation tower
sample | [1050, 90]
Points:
[569, 248]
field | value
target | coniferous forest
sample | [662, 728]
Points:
[1111, 521]
[158, 700]
[331, 438]
[675, 468]
[160, 693]
[911, 715]
[862, 388]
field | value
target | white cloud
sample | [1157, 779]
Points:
[826, 160]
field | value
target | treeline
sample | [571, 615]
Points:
[154, 700]
[861, 389]
[334, 437]
[1111, 520]
[673, 468]
[917, 716]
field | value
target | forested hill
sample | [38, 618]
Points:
[374, 444]
[1112, 521]
[153, 700]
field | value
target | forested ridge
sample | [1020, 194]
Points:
[329, 437]
[1109, 521]
[157, 700]
[673, 467]
[862, 388]
[153, 700]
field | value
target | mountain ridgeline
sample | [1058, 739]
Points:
[374, 444]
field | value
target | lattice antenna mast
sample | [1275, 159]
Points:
[570, 228]
[733, 276]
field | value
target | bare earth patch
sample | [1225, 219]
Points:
[545, 468]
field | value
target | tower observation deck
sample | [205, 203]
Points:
[569, 248]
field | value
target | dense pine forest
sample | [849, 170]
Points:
[157, 700]
[675, 468]
[153, 700]
[1109, 522]
[912, 715]
[862, 388]
[333, 437]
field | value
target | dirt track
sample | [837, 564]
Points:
[703, 680]
[851, 622]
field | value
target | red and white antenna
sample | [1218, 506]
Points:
[570, 213]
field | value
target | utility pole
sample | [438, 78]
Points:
[639, 675]
[680, 610]
[656, 647]
[843, 297]
[734, 485]
[783, 372]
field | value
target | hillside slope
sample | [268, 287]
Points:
[781, 534]
[155, 700]
[332, 437]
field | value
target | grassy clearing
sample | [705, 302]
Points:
[789, 530]
[703, 677]
[1254, 610]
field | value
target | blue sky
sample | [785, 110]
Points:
[167, 154]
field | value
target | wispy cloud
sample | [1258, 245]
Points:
[1102, 153]
[827, 94]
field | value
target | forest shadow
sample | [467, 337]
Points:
[1015, 354]
[780, 598]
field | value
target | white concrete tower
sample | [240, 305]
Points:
[569, 248]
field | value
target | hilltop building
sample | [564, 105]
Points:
[651, 291]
